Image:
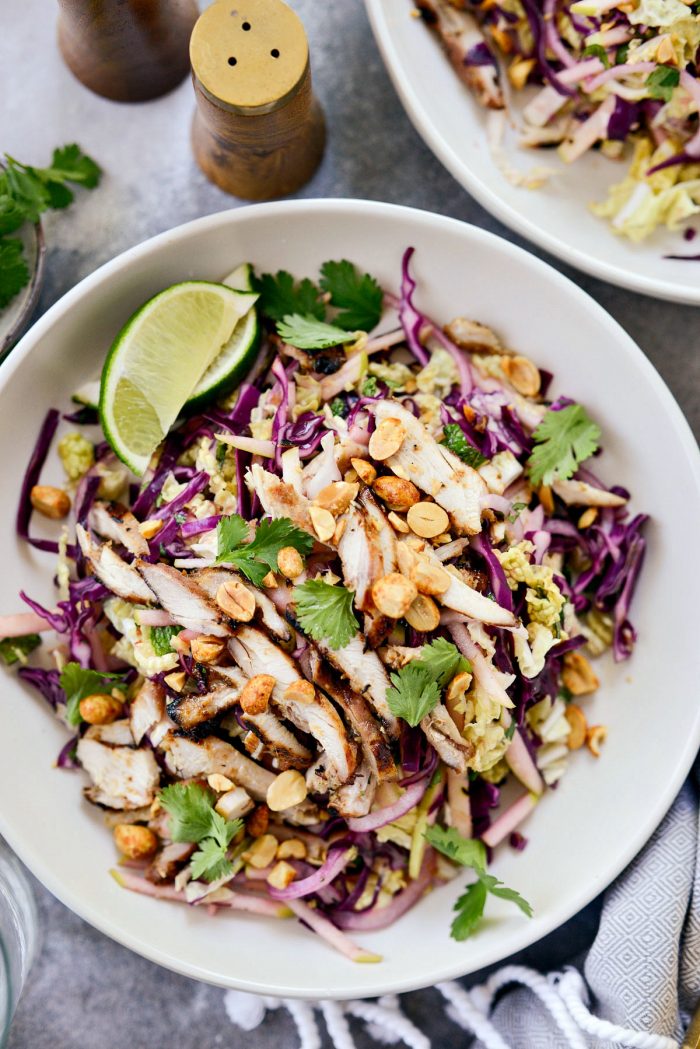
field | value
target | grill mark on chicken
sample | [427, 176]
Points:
[119, 577]
[116, 522]
[459, 34]
[210, 579]
[187, 603]
[441, 731]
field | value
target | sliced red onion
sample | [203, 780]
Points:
[337, 861]
[380, 817]
[382, 917]
[509, 820]
[484, 673]
[248, 444]
[155, 617]
[520, 761]
[22, 623]
[332, 935]
[237, 901]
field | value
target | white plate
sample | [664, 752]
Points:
[556, 217]
[583, 834]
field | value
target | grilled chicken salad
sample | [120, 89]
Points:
[618, 74]
[344, 605]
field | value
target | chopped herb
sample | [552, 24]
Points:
[338, 407]
[14, 273]
[16, 649]
[77, 683]
[564, 439]
[180, 518]
[510, 731]
[516, 511]
[308, 333]
[621, 55]
[220, 452]
[161, 636]
[358, 297]
[370, 388]
[596, 51]
[193, 818]
[325, 612]
[455, 439]
[280, 296]
[469, 852]
[258, 557]
[416, 687]
[662, 81]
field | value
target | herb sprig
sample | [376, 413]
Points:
[325, 612]
[455, 439]
[256, 558]
[77, 682]
[193, 818]
[563, 440]
[416, 687]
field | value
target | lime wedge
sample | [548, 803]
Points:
[241, 278]
[232, 363]
[158, 358]
[88, 394]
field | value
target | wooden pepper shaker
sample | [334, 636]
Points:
[127, 50]
[258, 130]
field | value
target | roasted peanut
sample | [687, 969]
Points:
[339, 529]
[459, 685]
[256, 693]
[134, 841]
[397, 493]
[522, 374]
[337, 496]
[596, 735]
[386, 439]
[300, 691]
[427, 520]
[393, 594]
[234, 803]
[290, 562]
[323, 522]
[577, 674]
[49, 501]
[588, 517]
[236, 601]
[364, 470]
[578, 727]
[262, 852]
[219, 783]
[424, 614]
[406, 557]
[286, 790]
[100, 708]
[176, 680]
[429, 578]
[665, 52]
[544, 494]
[291, 849]
[150, 529]
[281, 875]
[206, 648]
[398, 523]
[519, 70]
[258, 821]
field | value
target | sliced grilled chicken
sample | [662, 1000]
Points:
[579, 493]
[461, 597]
[188, 760]
[375, 748]
[257, 654]
[355, 797]
[168, 861]
[119, 577]
[367, 550]
[122, 777]
[366, 674]
[114, 521]
[210, 579]
[115, 734]
[435, 470]
[179, 595]
[147, 713]
[279, 499]
[466, 48]
[189, 712]
[441, 731]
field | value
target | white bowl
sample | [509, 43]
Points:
[556, 217]
[582, 834]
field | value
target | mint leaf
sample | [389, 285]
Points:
[161, 636]
[455, 439]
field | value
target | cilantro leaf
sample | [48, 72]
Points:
[26, 188]
[258, 557]
[193, 817]
[77, 683]
[596, 51]
[325, 612]
[339, 407]
[16, 649]
[370, 388]
[621, 55]
[564, 439]
[661, 82]
[70, 164]
[308, 333]
[279, 296]
[414, 694]
[210, 861]
[358, 297]
[442, 660]
[190, 807]
[11, 214]
[455, 439]
[14, 274]
[468, 852]
[161, 636]
[469, 911]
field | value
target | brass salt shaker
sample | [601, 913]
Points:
[258, 130]
[127, 50]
